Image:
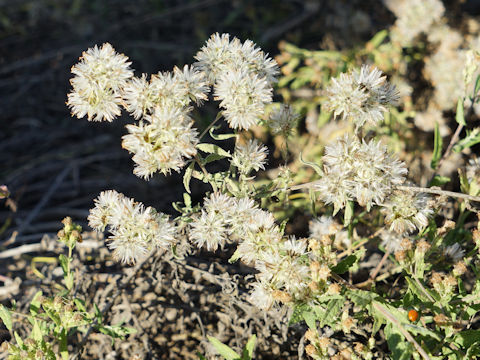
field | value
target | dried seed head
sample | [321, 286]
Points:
[282, 296]
[311, 350]
[400, 255]
[406, 244]
[311, 335]
[422, 247]
[334, 289]
[459, 268]
[440, 319]
[323, 343]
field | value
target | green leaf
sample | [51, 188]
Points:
[467, 337]
[223, 349]
[439, 180]
[35, 303]
[348, 215]
[378, 38]
[36, 333]
[18, 338]
[200, 356]
[213, 157]
[437, 147]
[400, 349]
[329, 316]
[314, 166]
[297, 314]
[477, 86]
[116, 331]
[247, 353]
[213, 149]
[6, 317]
[188, 176]
[80, 304]
[63, 344]
[343, 266]
[361, 298]
[220, 136]
[460, 116]
[309, 318]
[63, 263]
[420, 330]
[472, 138]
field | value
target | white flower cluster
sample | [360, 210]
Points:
[100, 77]
[413, 17]
[135, 230]
[161, 141]
[406, 212]
[361, 96]
[282, 262]
[361, 171]
[242, 76]
[225, 219]
[175, 90]
[250, 156]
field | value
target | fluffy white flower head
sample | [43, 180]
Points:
[161, 142]
[406, 212]
[250, 156]
[361, 171]
[361, 96]
[243, 96]
[100, 77]
[135, 230]
[220, 55]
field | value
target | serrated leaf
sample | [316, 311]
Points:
[329, 316]
[223, 349]
[187, 177]
[6, 317]
[212, 149]
[437, 147]
[361, 298]
[420, 330]
[459, 116]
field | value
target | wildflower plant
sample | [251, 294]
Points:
[54, 319]
[361, 193]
